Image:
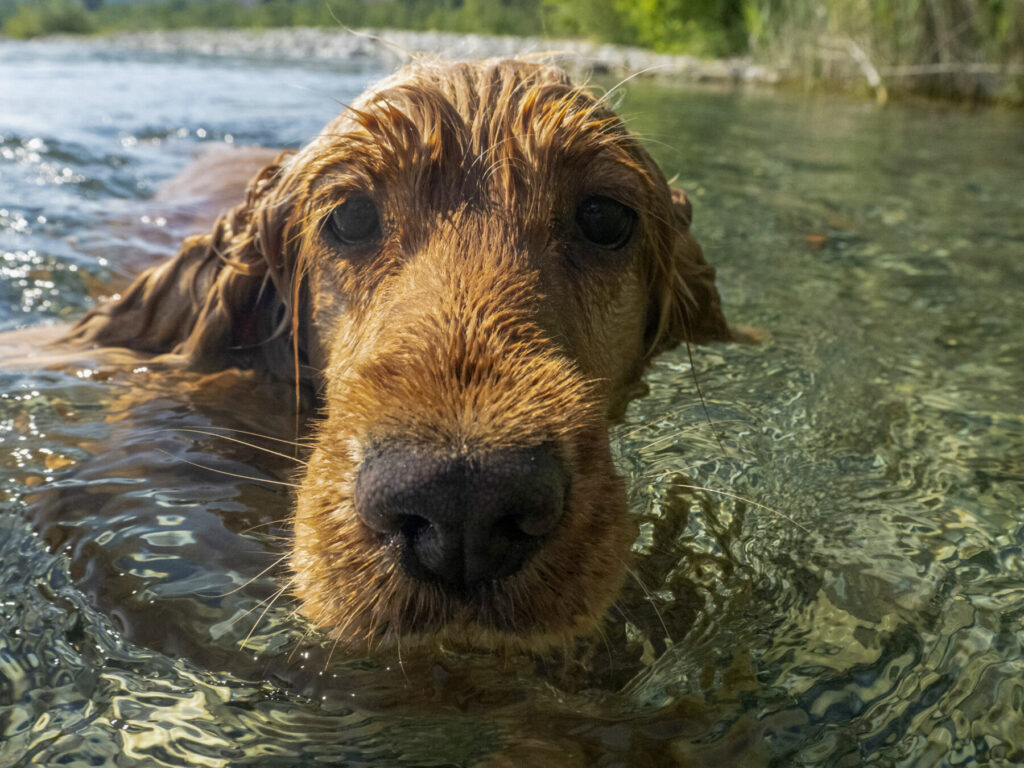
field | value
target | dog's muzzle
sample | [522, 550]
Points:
[462, 521]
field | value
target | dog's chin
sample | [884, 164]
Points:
[491, 617]
[478, 624]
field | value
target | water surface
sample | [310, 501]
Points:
[850, 591]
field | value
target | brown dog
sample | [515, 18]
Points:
[469, 269]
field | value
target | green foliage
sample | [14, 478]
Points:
[709, 27]
[703, 27]
[699, 27]
[43, 17]
[512, 17]
[594, 19]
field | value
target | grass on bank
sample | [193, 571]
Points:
[951, 48]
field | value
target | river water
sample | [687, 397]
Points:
[832, 576]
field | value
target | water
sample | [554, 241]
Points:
[851, 592]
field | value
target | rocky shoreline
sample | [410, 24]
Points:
[395, 47]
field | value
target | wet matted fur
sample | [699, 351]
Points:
[475, 260]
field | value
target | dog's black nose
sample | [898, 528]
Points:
[462, 521]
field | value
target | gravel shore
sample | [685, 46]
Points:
[394, 47]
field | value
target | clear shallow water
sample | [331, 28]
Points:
[861, 604]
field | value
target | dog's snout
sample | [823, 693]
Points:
[462, 521]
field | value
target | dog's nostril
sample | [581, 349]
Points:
[512, 527]
[460, 521]
[410, 526]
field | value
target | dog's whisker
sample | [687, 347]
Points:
[607, 647]
[398, 653]
[687, 429]
[654, 423]
[330, 654]
[231, 474]
[211, 430]
[675, 470]
[745, 500]
[700, 396]
[301, 639]
[620, 609]
[263, 613]
[249, 581]
[246, 443]
[623, 81]
[650, 599]
[280, 540]
[267, 524]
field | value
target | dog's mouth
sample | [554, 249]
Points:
[485, 609]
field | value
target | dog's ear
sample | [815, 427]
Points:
[223, 299]
[685, 305]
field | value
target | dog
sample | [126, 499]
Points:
[466, 272]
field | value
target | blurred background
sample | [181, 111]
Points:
[966, 49]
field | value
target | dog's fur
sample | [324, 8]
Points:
[480, 320]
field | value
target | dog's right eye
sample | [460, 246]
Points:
[605, 222]
[356, 221]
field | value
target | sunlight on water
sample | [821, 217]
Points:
[829, 568]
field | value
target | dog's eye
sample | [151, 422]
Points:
[356, 221]
[605, 222]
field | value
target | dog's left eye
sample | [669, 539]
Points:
[356, 221]
[605, 222]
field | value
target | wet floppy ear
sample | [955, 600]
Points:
[222, 299]
[685, 305]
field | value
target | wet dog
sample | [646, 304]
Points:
[468, 271]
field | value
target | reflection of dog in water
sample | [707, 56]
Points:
[470, 268]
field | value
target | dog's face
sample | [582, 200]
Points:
[478, 301]
[476, 262]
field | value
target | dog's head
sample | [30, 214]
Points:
[472, 265]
